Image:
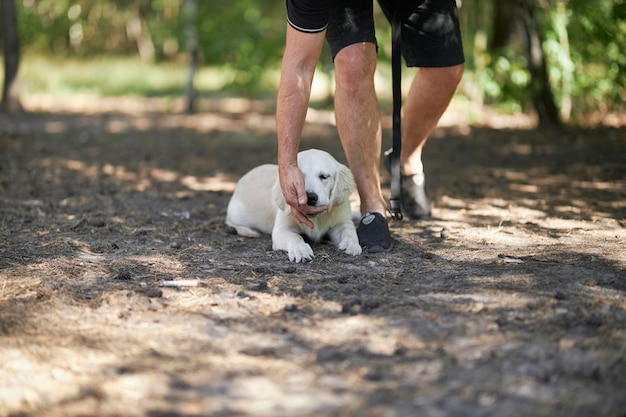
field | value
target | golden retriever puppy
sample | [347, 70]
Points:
[258, 206]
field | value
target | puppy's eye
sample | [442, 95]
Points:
[324, 177]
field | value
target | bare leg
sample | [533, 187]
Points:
[429, 96]
[358, 121]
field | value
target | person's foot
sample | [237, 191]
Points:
[373, 233]
[415, 202]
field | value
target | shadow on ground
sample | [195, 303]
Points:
[518, 308]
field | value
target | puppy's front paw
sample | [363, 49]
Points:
[301, 253]
[350, 246]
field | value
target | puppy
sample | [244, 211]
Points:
[258, 206]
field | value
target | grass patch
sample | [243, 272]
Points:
[125, 76]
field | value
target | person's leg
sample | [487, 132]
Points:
[431, 40]
[429, 97]
[353, 46]
[358, 121]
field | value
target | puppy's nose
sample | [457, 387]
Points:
[311, 199]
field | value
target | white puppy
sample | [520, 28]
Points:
[258, 205]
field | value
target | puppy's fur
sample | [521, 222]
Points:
[258, 206]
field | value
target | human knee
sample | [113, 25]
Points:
[456, 73]
[451, 76]
[355, 66]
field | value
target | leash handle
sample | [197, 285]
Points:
[396, 78]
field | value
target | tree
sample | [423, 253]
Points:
[510, 15]
[10, 93]
[540, 89]
[190, 8]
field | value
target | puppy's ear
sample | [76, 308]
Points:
[344, 185]
[277, 196]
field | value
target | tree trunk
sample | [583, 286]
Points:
[11, 92]
[503, 23]
[137, 29]
[543, 98]
[191, 33]
[567, 66]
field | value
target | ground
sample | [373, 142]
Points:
[510, 301]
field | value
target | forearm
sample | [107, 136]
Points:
[291, 108]
[298, 67]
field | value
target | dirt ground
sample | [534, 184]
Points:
[510, 301]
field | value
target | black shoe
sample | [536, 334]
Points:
[415, 202]
[373, 233]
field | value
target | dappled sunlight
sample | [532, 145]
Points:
[140, 181]
[118, 347]
[524, 188]
[372, 333]
[490, 210]
[121, 282]
[55, 127]
[164, 175]
[119, 115]
[119, 172]
[600, 185]
[229, 114]
[217, 183]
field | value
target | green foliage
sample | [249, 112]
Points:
[245, 39]
[114, 76]
[244, 35]
[597, 29]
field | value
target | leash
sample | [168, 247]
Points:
[396, 78]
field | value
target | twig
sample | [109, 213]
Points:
[180, 283]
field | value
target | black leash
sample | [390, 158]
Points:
[396, 78]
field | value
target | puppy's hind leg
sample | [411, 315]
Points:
[244, 230]
[239, 216]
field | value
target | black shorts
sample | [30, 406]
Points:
[431, 36]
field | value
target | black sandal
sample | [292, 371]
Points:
[415, 202]
[373, 233]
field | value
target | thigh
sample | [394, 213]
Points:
[350, 22]
[431, 34]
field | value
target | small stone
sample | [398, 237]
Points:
[352, 307]
[445, 233]
[154, 293]
[123, 276]
[308, 288]
[97, 222]
[289, 269]
[343, 279]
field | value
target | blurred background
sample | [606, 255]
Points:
[561, 61]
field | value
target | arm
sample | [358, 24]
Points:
[302, 51]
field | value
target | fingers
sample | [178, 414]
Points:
[292, 185]
[302, 212]
[301, 218]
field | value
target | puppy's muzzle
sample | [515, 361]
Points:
[311, 199]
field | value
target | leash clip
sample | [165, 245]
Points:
[394, 209]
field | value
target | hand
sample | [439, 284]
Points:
[292, 185]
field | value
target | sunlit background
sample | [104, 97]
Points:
[143, 49]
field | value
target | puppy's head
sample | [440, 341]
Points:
[326, 181]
